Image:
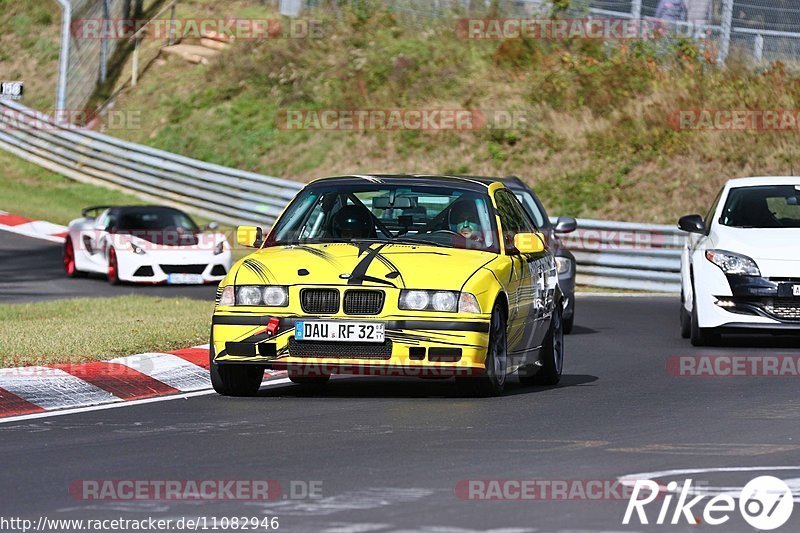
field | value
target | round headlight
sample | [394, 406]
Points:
[416, 300]
[249, 296]
[275, 296]
[444, 301]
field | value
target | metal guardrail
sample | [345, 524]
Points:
[627, 255]
[609, 254]
[222, 193]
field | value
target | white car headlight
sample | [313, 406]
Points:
[269, 296]
[138, 250]
[248, 295]
[219, 248]
[442, 301]
[732, 263]
[276, 296]
[228, 297]
[414, 300]
[563, 264]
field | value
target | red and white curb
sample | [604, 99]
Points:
[38, 229]
[39, 389]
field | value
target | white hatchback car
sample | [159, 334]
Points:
[740, 268]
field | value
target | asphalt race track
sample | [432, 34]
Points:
[31, 270]
[389, 453]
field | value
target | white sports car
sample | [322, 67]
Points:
[740, 269]
[145, 244]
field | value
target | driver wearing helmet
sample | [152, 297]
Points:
[463, 219]
[353, 222]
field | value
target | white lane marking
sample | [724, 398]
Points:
[794, 483]
[50, 388]
[167, 368]
[115, 405]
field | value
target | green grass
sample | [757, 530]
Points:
[84, 329]
[599, 143]
[31, 191]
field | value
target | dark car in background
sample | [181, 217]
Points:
[564, 258]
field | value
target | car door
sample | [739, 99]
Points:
[527, 286]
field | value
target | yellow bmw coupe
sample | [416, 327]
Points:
[425, 276]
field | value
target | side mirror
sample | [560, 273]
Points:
[250, 236]
[692, 224]
[529, 243]
[212, 226]
[566, 225]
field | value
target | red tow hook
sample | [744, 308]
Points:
[272, 327]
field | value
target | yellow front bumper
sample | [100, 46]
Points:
[413, 346]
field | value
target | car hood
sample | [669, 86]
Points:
[387, 265]
[767, 244]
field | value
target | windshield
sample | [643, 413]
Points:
[765, 206]
[154, 219]
[393, 213]
[531, 207]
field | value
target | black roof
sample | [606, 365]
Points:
[121, 209]
[470, 183]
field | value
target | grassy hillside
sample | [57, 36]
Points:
[29, 47]
[34, 192]
[600, 139]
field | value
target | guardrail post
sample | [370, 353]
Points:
[636, 15]
[758, 49]
[171, 39]
[135, 66]
[727, 18]
[104, 44]
[63, 57]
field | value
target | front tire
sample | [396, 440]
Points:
[686, 323]
[234, 379]
[551, 355]
[69, 260]
[493, 382]
[568, 323]
[701, 336]
[113, 267]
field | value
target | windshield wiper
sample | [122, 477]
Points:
[411, 240]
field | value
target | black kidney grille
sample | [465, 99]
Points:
[341, 350]
[358, 302]
[319, 301]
